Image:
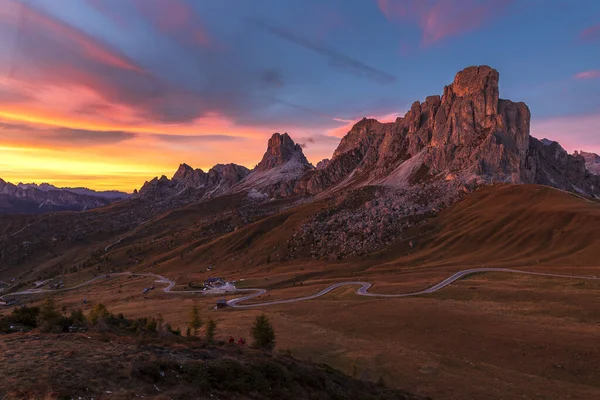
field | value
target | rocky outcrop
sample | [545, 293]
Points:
[195, 183]
[322, 164]
[281, 150]
[592, 161]
[30, 199]
[188, 177]
[282, 165]
[551, 165]
[468, 134]
[222, 177]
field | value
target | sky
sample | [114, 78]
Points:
[110, 93]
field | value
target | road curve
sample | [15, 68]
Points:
[363, 290]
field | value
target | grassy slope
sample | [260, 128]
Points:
[515, 225]
[119, 366]
[504, 225]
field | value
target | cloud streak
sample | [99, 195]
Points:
[439, 19]
[175, 17]
[63, 137]
[197, 138]
[90, 47]
[592, 74]
[335, 58]
[590, 34]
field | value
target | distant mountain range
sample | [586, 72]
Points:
[31, 198]
[456, 142]
[465, 138]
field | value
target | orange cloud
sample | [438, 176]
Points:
[439, 19]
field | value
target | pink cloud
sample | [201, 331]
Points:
[176, 18]
[23, 15]
[102, 7]
[592, 74]
[591, 33]
[439, 19]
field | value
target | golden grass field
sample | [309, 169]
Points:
[489, 336]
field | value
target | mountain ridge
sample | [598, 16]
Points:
[468, 135]
[33, 199]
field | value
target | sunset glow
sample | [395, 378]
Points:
[108, 93]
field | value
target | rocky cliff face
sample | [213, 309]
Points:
[468, 134]
[549, 164]
[281, 149]
[30, 199]
[592, 161]
[282, 165]
[195, 183]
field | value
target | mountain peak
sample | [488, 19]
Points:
[480, 82]
[280, 150]
[183, 171]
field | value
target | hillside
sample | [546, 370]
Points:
[118, 366]
[514, 225]
[501, 225]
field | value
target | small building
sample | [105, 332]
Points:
[221, 303]
[214, 282]
[8, 302]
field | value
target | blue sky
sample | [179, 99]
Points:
[166, 81]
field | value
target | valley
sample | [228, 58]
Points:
[448, 254]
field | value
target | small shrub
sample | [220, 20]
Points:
[99, 314]
[49, 320]
[195, 320]
[263, 333]
[151, 325]
[211, 329]
[26, 315]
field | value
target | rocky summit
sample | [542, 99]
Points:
[282, 165]
[468, 133]
[465, 138]
[282, 150]
[194, 184]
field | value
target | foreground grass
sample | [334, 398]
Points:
[120, 366]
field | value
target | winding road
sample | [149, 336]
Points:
[363, 289]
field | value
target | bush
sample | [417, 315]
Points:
[99, 314]
[263, 333]
[26, 315]
[77, 318]
[151, 325]
[50, 320]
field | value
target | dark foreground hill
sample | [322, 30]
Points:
[117, 366]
